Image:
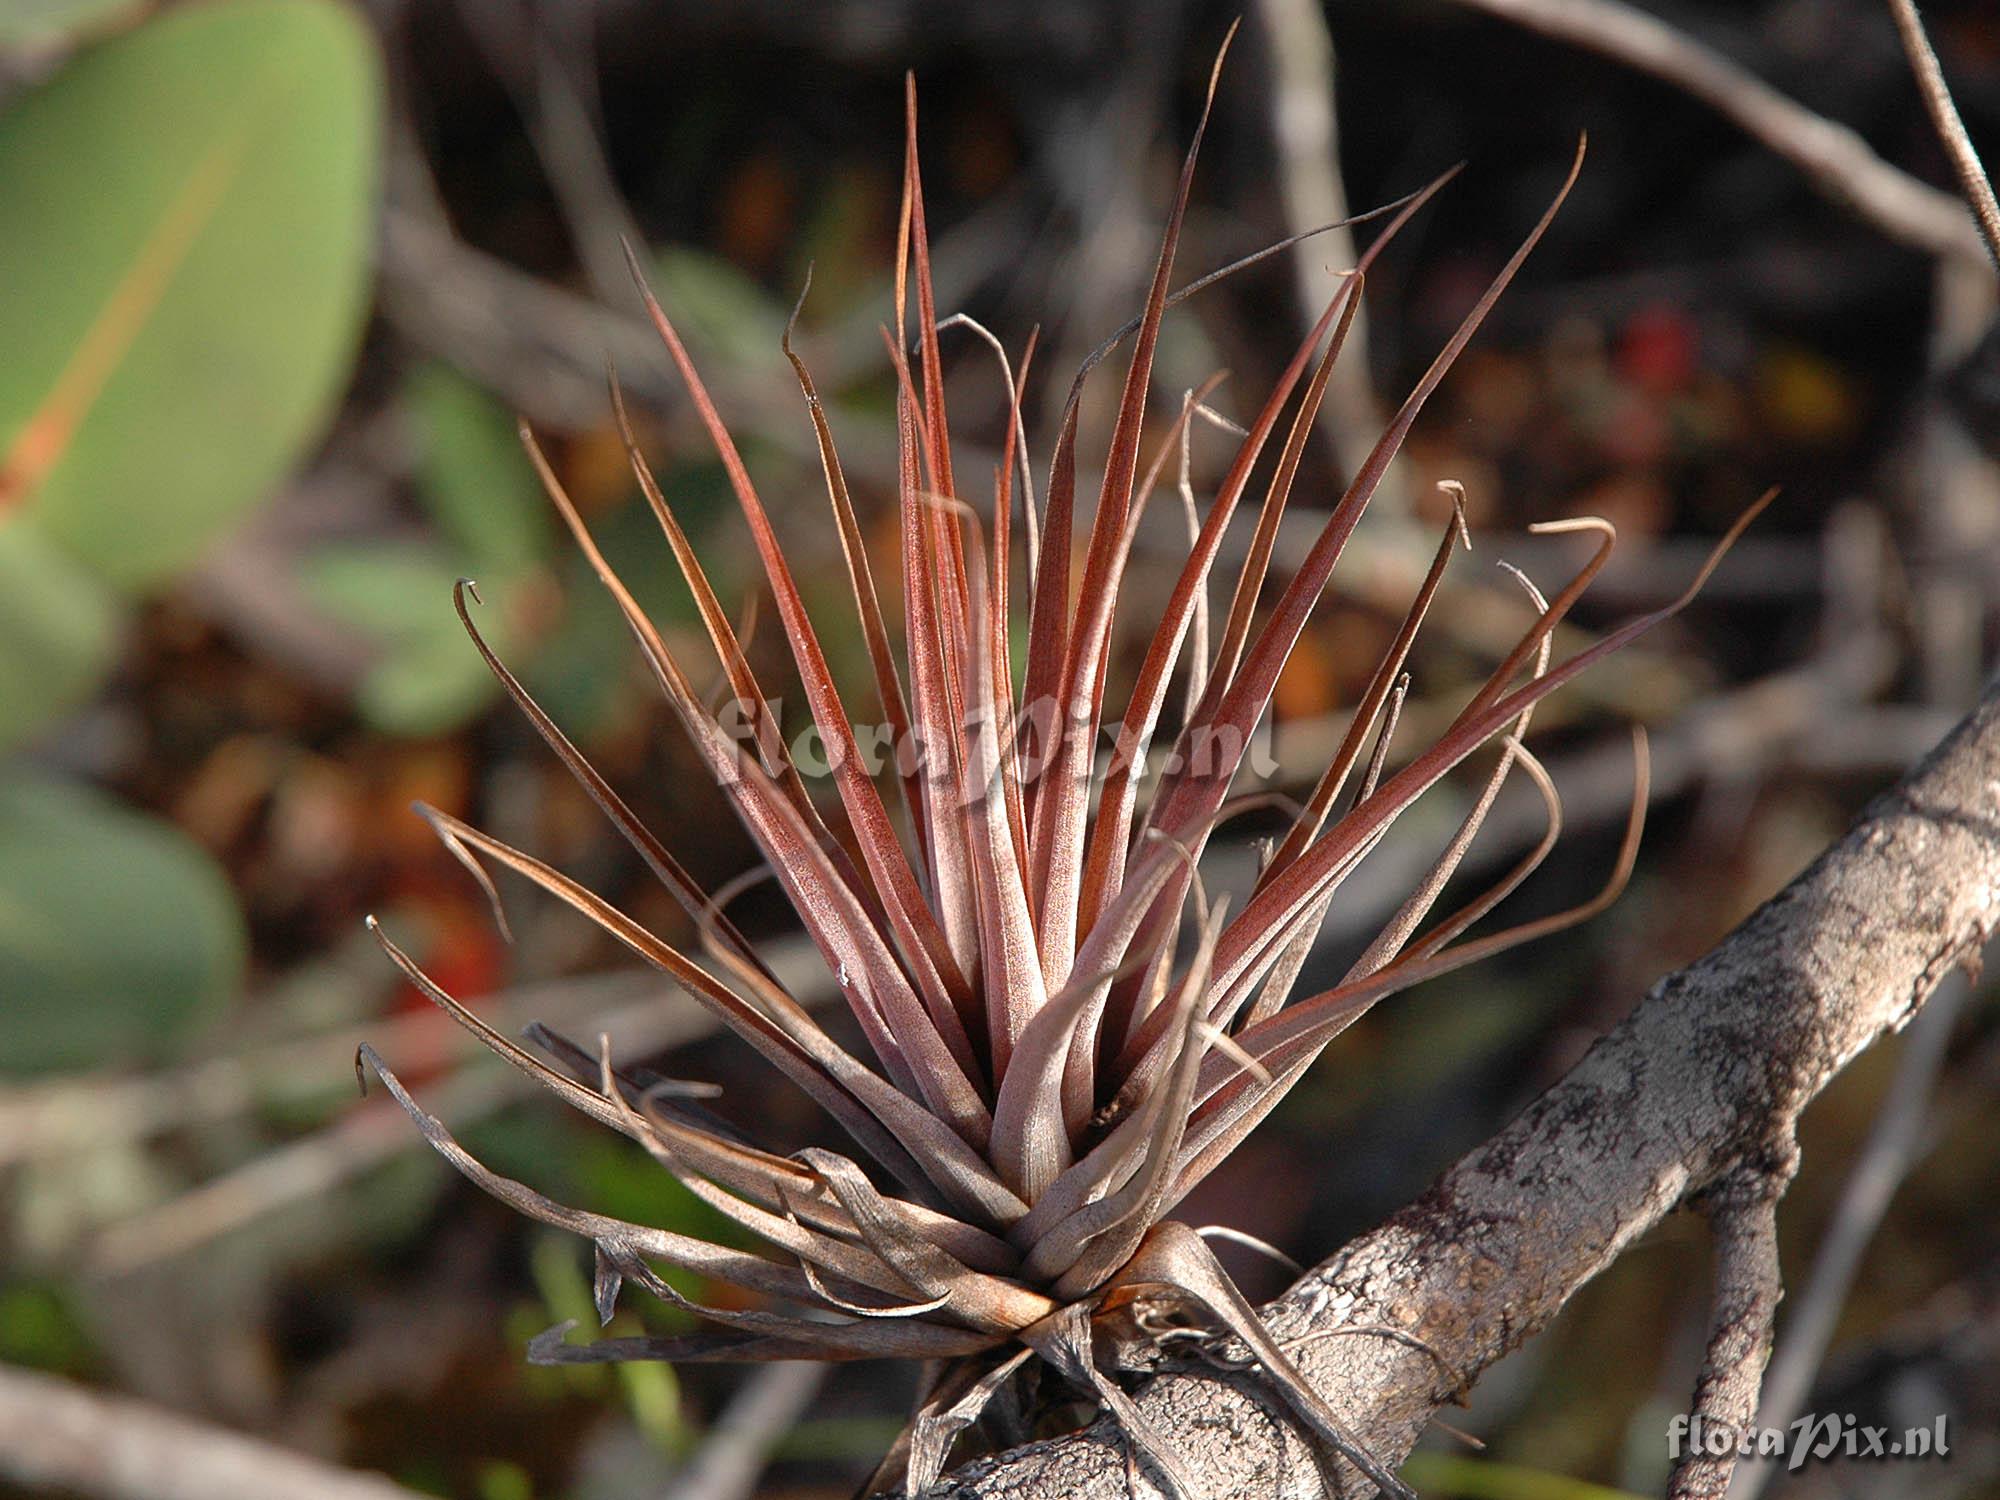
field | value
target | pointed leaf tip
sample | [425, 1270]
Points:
[799, 306]
[1222, 56]
[632, 261]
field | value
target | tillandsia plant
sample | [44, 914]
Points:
[1068, 1034]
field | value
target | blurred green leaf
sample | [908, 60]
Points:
[584, 673]
[721, 312]
[630, 539]
[472, 476]
[581, 671]
[427, 687]
[185, 252]
[501, 1480]
[388, 1207]
[652, 1391]
[429, 679]
[44, 21]
[629, 1184]
[58, 628]
[395, 591]
[116, 931]
[38, 1329]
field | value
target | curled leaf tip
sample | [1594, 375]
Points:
[1454, 490]
[1568, 524]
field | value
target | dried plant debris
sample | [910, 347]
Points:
[1067, 1034]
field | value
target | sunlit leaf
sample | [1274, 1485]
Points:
[185, 252]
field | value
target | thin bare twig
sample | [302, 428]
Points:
[366, 1136]
[299, 1171]
[1743, 1213]
[1948, 487]
[733, 1455]
[1305, 129]
[550, 80]
[48, 1119]
[1892, 1148]
[1838, 160]
[59, 1436]
[1972, 178]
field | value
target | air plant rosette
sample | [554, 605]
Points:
[1067, 1033]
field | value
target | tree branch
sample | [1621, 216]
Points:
[61, 1436]
[1704, 1080]
[1744, 1214]
[1950, 128]
[1895, 1142]
[1840, 163]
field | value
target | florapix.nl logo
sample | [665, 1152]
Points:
[1813, 1438]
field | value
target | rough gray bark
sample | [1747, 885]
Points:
[1743, 1214]
[1697, 1092]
